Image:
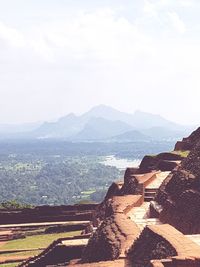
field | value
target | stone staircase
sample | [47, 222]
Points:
[139, 215]
[149, 194]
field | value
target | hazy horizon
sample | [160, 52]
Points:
[55, 119]
[58, 57]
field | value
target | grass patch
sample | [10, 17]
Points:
[37, 241]
[182, 153]
[9, 265]
[32, 242]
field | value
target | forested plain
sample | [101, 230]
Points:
[58, 172]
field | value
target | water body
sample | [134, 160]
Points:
[121, 164]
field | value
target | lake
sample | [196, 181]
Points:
[119, 163]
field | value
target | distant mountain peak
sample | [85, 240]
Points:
[70, 115]
[101, 109]
[103, 121]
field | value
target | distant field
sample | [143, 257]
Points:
[58, 172]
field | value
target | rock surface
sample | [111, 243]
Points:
[150, 245]
[159, 162]
[161, 242]
[116, 233]
[189, 142]
[112, 238]
[179, 195]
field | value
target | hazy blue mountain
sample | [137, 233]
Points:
[144, 120]
[101, 122]
[138, 120]
[99, 128]
[157, 133]
[131, 136]
[65, 127]
[108, 113]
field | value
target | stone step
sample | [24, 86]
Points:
[151, 189]
[148, 199]
[142, 223]
[149, 194]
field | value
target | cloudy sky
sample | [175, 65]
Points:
[61, 56]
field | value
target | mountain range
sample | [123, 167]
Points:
[100, 123]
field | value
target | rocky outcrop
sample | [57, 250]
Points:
[161, 242]
[189, 142]
[168, 165]
[116, 232]
[179, 195]
[113, 190]
[150, 245]
[114, 236]
[130, 186]
[164, 161]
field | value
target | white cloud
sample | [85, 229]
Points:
[177, 23]
[11, 36]
[150, 8]
[40, 46]
[100, 35]
[103, 55]
[187, 3]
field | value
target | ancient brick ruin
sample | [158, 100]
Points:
[151, 218]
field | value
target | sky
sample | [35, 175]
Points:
[62, 56]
